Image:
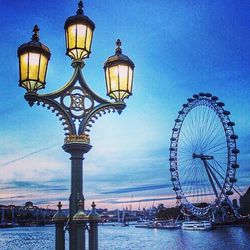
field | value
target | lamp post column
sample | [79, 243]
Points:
[76, 149]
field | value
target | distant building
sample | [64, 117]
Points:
[245, 203]
[235, 203]
[29, 204]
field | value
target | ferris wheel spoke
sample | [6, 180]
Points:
[214, 140]
[213, 123]
[184, 154]
[219, 149]
[196, 127]
[205, 121]
[223, 169]
[216, 145]
[214, 135]
[186, 149]
[187, 138]
[185, 171]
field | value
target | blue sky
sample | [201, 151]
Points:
[179, 48]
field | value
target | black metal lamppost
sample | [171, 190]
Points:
[76, 105]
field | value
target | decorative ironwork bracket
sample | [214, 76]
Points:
[76, 105]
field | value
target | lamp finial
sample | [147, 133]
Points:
[118, 49]
[80, 8]
[93, 205]
[35, 36]
[59, 205]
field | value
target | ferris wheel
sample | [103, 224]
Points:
[203, 155]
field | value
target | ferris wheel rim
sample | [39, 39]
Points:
[212, 102]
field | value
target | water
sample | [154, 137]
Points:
[131, 238]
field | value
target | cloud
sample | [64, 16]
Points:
[118, 201]
[27, 155]
[137, 189]
[31, 185]
[114, 201]
[12, 197]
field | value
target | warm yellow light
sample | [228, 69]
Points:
[78, 41]
[119, 81]
[24, 66]
[43, 68]
[32, 70]
[123, 77]
[33, 62]
[119, 75]
[113, 78]
[78, 33]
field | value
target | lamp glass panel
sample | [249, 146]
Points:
[67, 37]
[43, 67]
[107, 80]
[130, 79]
[123, 77]
[71, 36]
[89, 38]
[73, 53]
[113, 74]
[81, 34]
[24, 66]
[34, 59]
[33, 85]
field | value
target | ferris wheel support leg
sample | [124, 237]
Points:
[214, 176]
[229, 202]
[210, 178]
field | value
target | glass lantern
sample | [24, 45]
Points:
[78, 35]
[33, 63]
[119, 70]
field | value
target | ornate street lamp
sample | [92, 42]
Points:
[76, 105]
[78, 34]
[119, 74]
[33, 62]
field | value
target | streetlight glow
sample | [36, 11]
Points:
[78, 35]
[119, 75]
[33, 62]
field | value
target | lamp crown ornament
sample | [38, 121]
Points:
[59, 217]
[78, 33]
[35, 36]
[93, 214]
[80, 8]
[118, 49]
[59, 205]
[93, 205]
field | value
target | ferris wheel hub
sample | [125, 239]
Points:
[202, 156]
